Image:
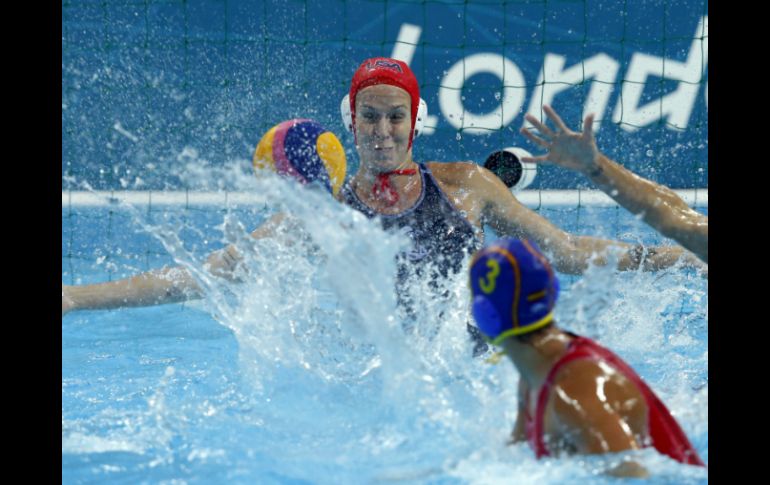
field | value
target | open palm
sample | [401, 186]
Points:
[566, 148]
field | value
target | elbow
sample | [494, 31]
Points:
[223, 265]
[670, 226]
[679, 221]
[691, 233]
[567, 257]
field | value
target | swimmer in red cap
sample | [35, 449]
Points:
[575, 396]
[383, 126]
[443, 207]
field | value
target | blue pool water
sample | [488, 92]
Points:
[303, 373]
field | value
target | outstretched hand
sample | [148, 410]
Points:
[566, 148]
[67, 303]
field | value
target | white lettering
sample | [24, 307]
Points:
[403, 50]
[554, 78]
[450, 93]
[601, 69]
[406, 43]
[676, 106]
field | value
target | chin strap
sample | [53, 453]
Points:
[383, 186]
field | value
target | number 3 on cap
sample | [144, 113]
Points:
[488, 284]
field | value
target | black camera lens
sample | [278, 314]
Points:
[506, 166]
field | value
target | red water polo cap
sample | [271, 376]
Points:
[384, 70]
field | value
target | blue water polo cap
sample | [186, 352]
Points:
[514, 289]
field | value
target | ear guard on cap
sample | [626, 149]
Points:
[422, 114]
[347, 116]
[487, 318]
[507, 165]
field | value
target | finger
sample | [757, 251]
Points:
[540, 126]
[555, 118]
[588, 126]
[540, 159]
[534, 139]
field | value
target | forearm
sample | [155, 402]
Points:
[636, 194]
[654, 258]
[659, 206]
[573, 254]
[170, 285]
[630, 257]
[569, 253]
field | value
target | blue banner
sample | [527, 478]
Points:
[147, 86]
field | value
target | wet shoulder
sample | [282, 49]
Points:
[466, 178]
[585, 379]
[454, 173]
[589, 392]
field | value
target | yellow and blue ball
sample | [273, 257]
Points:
[305, 151]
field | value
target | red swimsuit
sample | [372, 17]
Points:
[666, 435]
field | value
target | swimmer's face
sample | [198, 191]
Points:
[383, 125]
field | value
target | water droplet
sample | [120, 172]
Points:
[649, 153]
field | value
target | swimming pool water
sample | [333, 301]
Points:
[304, 374]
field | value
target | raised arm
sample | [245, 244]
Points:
[658, 205]
[161, 286]
[570, 253]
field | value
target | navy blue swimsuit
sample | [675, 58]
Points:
[442, 236]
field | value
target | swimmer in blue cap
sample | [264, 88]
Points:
[575, 396]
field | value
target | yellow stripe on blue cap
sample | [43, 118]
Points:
[547, 265]
[522, 330]
[536, 296]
